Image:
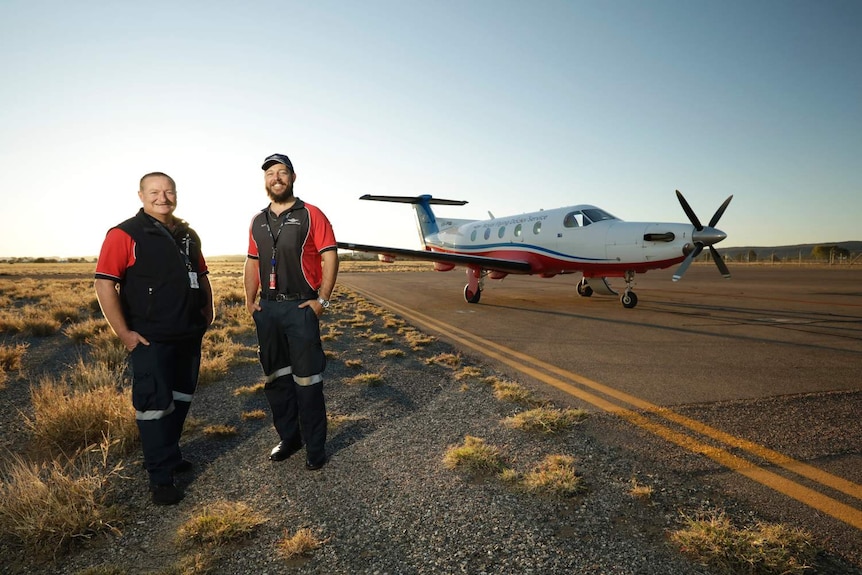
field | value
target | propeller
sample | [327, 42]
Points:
[703, 236]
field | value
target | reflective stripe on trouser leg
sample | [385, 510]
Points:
[278, 373]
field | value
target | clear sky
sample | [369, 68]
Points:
[513, 106]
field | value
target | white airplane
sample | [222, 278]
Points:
[580, 238]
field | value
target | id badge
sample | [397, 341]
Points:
[193, 280]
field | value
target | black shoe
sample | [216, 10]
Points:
[281, 451]
[166, 494]
[184, 466]
[315, 466]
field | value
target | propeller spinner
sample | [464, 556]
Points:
[703, 236]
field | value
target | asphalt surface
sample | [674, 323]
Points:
[753, 384]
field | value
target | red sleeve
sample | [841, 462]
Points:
[321, 230]
[252, 245]
[117, 255]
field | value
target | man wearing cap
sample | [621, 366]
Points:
[152, 285]
[291, 267]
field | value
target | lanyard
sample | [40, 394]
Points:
[186, 243]
[184, 250]
[272, 274]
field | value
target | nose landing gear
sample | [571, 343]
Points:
[629, 299]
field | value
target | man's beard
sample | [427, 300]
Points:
[281, 198]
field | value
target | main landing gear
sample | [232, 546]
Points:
[475, 284]
[600, 285]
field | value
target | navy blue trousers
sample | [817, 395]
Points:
[164, 378]
[293, 361]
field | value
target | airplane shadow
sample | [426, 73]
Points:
[845, 327]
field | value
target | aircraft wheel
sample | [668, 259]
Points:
[584, 290]
[471, 297]
[629, 299]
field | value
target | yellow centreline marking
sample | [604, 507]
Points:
[808, 496]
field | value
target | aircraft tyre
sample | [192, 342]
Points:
[629, 299]
[584, 289]
[471, 297]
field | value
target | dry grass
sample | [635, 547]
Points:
[45, 507]
[303, 542]
[512, 392]
[387, 353]
[66, 419]
[29, 320]
[369, 379]
[88, 376]
[640, 491]
[416, 339]
[468, 372]
[219, 353]
[555, 476]
[474, 456]
[84, 331]
[546, 420]
[220, 430]
[220, 522]
[12, 355]
[106, 348]
[451, 360]
[248, 389]
[712, 540]
[255, 414]
[380, 338]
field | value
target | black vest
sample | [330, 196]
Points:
[156, 294]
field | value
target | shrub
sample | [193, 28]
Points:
[44, 507]
[474, 455]
[711, 539]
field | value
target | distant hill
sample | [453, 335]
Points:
[786, 253]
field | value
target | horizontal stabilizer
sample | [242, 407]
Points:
[426, 199]
[496, 264]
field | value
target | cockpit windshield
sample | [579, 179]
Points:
[585, 217]
[597, 215]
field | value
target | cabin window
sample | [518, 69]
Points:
[473, 236]
[518, 231]
[501, 232]
[537, 227]
[487, 233]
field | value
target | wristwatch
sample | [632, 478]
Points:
[324, 303]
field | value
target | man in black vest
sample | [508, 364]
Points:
[152, 285]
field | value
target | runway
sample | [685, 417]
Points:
[755, 379]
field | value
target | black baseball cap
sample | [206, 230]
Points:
[277, 159]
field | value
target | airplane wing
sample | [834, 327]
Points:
[494, 264]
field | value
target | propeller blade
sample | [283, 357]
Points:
[682, 267]
[719, 261]
[687, 262]
[688, 211]
[719, 212]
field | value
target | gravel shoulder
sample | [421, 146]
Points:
[385, 503]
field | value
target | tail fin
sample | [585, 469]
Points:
[425, 218]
